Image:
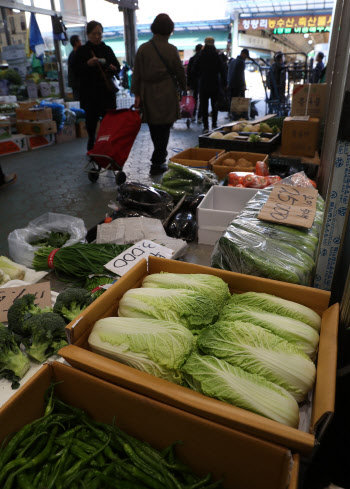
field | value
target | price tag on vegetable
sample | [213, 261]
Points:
[143, 249]
[8, 295]
[293, 206]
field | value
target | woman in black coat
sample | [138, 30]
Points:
[95, 64]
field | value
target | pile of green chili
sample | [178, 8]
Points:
[67, 449]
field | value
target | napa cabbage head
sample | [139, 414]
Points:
[260, 352]
[213, 286]
[156, 347]
[194, 310]
[276, 305]
[300, 334]
[217, 378]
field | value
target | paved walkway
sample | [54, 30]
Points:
[52, 179]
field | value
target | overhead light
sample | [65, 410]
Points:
[306, 36]
[16, 11]
[310, 41]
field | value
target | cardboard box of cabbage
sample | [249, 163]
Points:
[252, 370]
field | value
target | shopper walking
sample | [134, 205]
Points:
[157, 73]
[278, 78]
[193, 82]
[211, 74]
[236, 76]
[95, 65]
[318, 70]
[73, 80]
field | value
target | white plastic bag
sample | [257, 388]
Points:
[21, 251]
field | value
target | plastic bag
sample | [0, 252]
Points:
[20, 249]
[264, 249]
[144, 199]
[70, 116]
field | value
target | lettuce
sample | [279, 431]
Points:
[217, 378]
[157, 347]
[195, 310]
[260, 352]
[210, 285]
[300, 334]
[276, 305]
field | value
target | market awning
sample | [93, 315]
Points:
[249, 7]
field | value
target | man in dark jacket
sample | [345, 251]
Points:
[236, 77]
[73, 80]
[193, 82]
[211, 73]
[317, 71]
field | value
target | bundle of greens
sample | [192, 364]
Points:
[94, 283]
[54, 239]
[157, 347]
[67, 449]
[78, 260]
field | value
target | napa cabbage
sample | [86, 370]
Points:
[157, 347]
[260, 352]
[217, 378]
[300, 334]
[195, 310]
[276, 305]
[213, 286]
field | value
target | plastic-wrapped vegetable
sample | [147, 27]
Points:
[183, 225]
[265, 249]
[143, 198]
[180, 179]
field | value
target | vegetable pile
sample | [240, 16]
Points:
[181, 179]
[10, 270]
[67, 449]
[55, 238]
[265, 249]
[252, 350]
[262, 132]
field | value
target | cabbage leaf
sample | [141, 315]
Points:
[276, 305]
[260, 352]
[217, 378]
[194, 310]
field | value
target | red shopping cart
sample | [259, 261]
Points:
[187, 105]
[114, 141]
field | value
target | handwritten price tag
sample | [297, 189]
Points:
[293, 206]
[10, 294]
[143, 249]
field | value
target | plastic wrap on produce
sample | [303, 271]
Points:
[264, 249]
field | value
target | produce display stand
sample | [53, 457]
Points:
[160, 425]
[79, 355]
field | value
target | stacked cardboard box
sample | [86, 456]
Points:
[37, 124]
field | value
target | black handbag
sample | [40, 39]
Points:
[110, 80]
[172, 74]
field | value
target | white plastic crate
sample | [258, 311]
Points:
[125, 102]
[218, 208]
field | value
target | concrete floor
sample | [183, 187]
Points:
[52, 179]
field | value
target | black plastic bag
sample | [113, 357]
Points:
[145, 199]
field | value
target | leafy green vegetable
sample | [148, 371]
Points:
[217, 378]
[12, 269]
[13, 362]
[276, 305]
[260, 352]
[195, 310]
[157, 347]
[21, 310]
[187, 172]
[214, 287]
[300, 334]
[254, 138]
[71, 302]
[55, 239]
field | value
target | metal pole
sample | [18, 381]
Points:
[59, 60]
[235, 48]
[130, 35]
[6, 27]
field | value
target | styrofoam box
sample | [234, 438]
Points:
[218, 208]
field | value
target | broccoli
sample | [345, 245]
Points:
[21, 310]
[13, 362]
[45, 335]
[72, 302]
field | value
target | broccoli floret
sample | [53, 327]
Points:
[13, 362]
[46, 335]
[21, 310]
[72, 302]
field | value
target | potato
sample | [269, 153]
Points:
[231, 135]
[248, 128]
[265, 140]
[237, 128]
[226, 129]
[216, 135]
[229, 162]
[244, 163]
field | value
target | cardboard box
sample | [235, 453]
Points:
[300, 136]
[158, 424]
[72, 105]
[197, 157]
[309, 99]
[27, 104]
[34, 114]
[36, 128]
[79, 355]
[67, 133]
[14, 144]
[218, 208]
[35, 142]
[222, 171]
